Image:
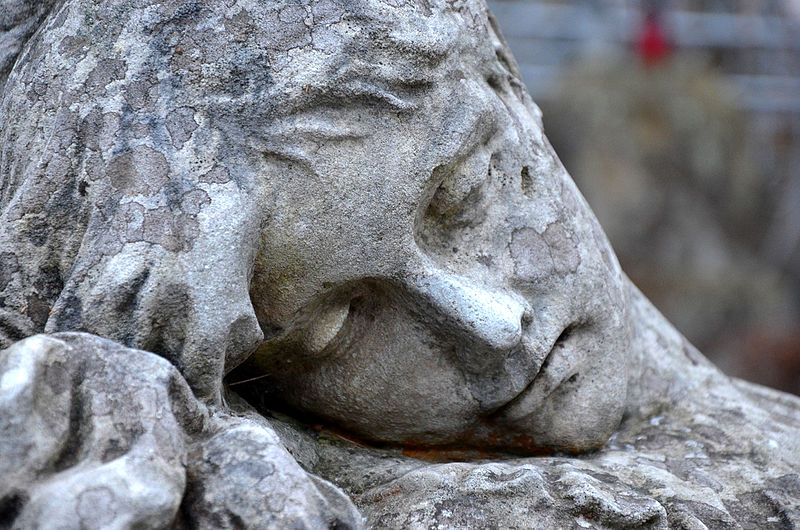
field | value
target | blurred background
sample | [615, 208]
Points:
[680, 122]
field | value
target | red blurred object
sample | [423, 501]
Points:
[653, 45]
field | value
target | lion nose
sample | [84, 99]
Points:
[492, 318]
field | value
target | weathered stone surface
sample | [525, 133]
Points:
[383, 212]
[705, 452]
[96, 435]
[350, 210]
[243, 477]
[91, 434]
[18, 20]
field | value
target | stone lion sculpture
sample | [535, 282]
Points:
[347, 213]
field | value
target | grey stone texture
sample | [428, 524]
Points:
[346, 213]
[19, 19]
[705, 451]
[97, 435]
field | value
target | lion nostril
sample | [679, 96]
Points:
[565, 334]
[526, 182]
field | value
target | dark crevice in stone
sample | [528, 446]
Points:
[69, 318]
[9, 333]
[527, 182]
[71, 447]
[10, 507]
